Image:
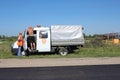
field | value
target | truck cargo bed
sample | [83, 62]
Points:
[64, 35]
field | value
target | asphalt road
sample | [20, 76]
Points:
[96, 72]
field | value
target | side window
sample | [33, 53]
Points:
[43, 34]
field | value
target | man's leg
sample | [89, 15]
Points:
[19, 51]
[33, 45]
[33, 39]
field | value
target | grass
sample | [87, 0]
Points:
[99, 52]
[5, 49]
[89, 50]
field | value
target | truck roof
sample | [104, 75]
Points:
[41, 28]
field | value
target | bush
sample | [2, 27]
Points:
[93, 43]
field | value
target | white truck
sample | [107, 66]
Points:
[60, 39]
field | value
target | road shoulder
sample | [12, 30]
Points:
[47, 62]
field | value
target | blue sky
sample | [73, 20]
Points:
[96, 16]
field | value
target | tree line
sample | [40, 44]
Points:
[9, 38]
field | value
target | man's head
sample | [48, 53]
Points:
[30, 27]
[20, 33]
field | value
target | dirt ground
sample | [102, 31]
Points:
[47, 62]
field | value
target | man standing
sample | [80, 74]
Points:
[20, 44]
[31, 38]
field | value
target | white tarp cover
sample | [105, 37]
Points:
[66, 32]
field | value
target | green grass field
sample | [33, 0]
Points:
[91, 49]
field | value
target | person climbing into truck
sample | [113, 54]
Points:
[31, 38]
[20, 44]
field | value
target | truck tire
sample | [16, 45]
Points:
[63, 51]
[14, 51]
[27, 52]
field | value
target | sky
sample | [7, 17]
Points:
[96, 16]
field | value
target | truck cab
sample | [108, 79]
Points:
[42, 40]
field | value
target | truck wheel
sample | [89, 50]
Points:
[23, 53]
[63, 51]
[27, 53]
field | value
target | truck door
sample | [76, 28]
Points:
[43, 41]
